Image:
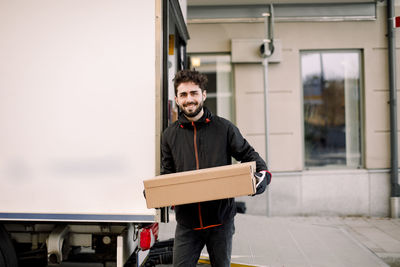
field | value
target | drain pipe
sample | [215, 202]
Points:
[266, 50]
[394, 178]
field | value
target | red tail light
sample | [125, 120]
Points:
[148, 236]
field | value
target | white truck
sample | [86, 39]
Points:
[85, 88]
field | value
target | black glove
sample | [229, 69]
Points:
[263, 178]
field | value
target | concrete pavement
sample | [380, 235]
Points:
[311, 241]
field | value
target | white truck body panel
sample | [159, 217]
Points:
[77, 109]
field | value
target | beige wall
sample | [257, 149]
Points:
[286, 122]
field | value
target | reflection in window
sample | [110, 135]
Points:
[217, 67]
[331, 90]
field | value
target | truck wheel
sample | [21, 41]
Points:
[8, 257]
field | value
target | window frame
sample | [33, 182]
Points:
[361, 108]
[232, 117]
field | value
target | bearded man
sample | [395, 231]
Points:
[197, 140]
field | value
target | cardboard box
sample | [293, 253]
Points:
[200, 185]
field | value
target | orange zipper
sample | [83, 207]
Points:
[195, 146]
[197, 167]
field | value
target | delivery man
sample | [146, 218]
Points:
[197, 140]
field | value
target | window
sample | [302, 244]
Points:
[218, 69]
[331, 92]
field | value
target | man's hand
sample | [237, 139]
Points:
[263, 178]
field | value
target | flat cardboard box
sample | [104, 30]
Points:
[200, 185]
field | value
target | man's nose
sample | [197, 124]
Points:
[190, 98]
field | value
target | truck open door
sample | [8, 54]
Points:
[83, 103]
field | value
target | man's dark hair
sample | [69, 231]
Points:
[193, 76]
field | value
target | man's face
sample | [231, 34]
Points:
[190, 99]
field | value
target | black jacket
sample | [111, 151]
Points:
[217, 141]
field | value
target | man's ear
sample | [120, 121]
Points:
[176, 101]
[204, 95]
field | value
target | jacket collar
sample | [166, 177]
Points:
[206, 118]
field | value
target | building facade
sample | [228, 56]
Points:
[327, 103]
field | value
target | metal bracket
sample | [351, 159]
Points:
[55, 244]
[126, 244]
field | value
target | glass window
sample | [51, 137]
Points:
[331, 91]
[218, 69]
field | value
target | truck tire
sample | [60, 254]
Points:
[8, 257]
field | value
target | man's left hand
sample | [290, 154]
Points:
[263, 178]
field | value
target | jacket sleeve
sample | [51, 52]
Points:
[242, 151]
[167, 161]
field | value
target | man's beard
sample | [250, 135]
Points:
[194, 113]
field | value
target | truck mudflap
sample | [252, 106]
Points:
[8, 257]
[160, 253]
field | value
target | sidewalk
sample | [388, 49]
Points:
[379, 235]
[312, 241]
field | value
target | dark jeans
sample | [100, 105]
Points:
[189, 243]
